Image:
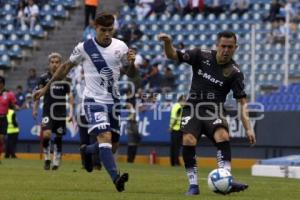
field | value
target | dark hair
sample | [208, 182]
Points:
[2, 80]
[226, 34]
[105, 19]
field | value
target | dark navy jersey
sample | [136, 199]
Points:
[55, 97]
[212, 82]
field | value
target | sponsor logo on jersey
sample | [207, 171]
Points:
[100, 117]
[57, 87]
[97, 58]
[60, 130]
[106, 76]
[209, 77]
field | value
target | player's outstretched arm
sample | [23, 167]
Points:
[170, 50]
[246, 122]
[60, 73]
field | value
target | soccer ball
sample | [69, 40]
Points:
[220, 180]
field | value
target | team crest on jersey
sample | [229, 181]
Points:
[118, 53]
[186, 56]
[76, 51]
[206, 62]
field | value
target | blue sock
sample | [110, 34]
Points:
[92, 148]
[108, 160]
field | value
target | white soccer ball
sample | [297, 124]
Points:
[220, 180]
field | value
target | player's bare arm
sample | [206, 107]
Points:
[36, 105]
[246, 122]
[170, 50]
[131, 71]
[60, 73]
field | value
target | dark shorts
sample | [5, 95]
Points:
[56, 126]
[3, 125]
[199, 121]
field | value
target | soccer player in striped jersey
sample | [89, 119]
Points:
[102, 58]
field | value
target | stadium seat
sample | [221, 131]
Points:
[7, 10]
[46, 10]
[3, 49]
[5, 61]
[15, 52]
[23, 29]
[38, 31]
[12, 40]
[59, 12]
[9, 29]
[26, 41]
[47, 21]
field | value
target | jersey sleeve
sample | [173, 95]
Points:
[238, 86]
[77, 54]
[41, 82]
[124, 51]
[191, 57]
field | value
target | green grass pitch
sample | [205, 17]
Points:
[26, 180]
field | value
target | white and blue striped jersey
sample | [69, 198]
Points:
[101, 80]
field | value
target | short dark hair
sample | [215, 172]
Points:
[105, 19]
[226, 34]
[2, 80]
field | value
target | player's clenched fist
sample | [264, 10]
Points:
[164, 37]
[131, 56]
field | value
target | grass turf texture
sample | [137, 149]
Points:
[26, 180]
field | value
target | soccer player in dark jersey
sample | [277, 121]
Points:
[215, 73]
[54, 112]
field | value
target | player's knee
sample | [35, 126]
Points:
[221, 135]
[104, 137]
[189, 139]
[47, 134]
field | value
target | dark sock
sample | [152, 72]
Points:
[46, 142]
[224, 155]
[189, 157]
[108, 160]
